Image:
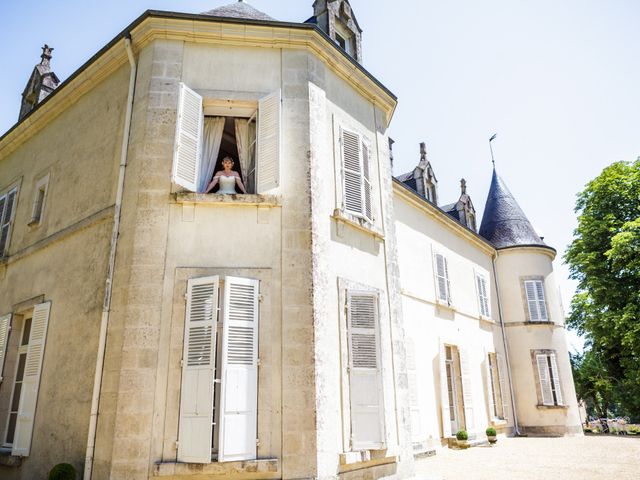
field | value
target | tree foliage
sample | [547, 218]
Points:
[604, 258]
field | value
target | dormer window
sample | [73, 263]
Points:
[344, 37]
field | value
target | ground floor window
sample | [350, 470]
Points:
[548, 376]
[496, 381]
[219, 390]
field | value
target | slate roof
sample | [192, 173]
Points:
[409, 180]
[239, 9]
[504, 224]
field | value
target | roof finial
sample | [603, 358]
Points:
[46, 54]
[423, 150]
[493, 161]
[463, 186]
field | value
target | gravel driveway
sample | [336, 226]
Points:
[570, 458]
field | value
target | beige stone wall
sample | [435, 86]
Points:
[63, 260]
[515, 265]
[430, 324]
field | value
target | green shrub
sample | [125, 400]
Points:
[63, 471]
[587, 430]
[491, 432]
[462, 435]
[633, 429]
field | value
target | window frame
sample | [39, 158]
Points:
[538, 286]
[480, 277]
[553, 378]
[364, 175]
[447, 278]
[37, 210]
[14, 189]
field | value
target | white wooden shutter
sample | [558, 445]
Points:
[545, 383]
[5, 327]
[239, 390]
[198, 363]
[365, 382]
[442, 277]
[188, 145]
[556, 379]
[542, 308]
[491, 391]
[268, 149]
[483, 298]
[530, 290]
[504, 384]
[31, 380]
[366, 185]
[467, 395]
[444, 393]
[353, 181]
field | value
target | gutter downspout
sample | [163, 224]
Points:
[516, 427]
[97, 381]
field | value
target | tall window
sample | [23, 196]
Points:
[219, 392]
[7, 207]
[17, 384]
[536, 305]
[39, 200]
[549, 379]
[356, 159]
[497, 385]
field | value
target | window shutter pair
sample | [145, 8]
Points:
[365, 380]
[31, 380]
[549, 379]
[7, 204]
[5, 327]
[534, 290]
[356, 165]
[483, 297]
[238, 375]
[188, 144]
[442, 277]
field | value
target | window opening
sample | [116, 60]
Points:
[7, 204]
[38, 202]
[17, 384]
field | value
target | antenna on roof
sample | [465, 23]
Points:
[493, 137]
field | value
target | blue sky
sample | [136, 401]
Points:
[559, 81]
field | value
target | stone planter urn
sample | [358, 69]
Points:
[491, 435]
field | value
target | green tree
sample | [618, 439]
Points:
[604, 258]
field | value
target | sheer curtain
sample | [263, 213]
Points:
[244, 153]
[212, 137]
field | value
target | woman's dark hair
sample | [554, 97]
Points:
[228, 158]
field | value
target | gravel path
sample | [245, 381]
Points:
[570, 458]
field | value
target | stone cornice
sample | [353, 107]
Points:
[154, 25]
[441, 217]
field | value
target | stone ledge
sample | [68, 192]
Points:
[255, 469]
[350, 461]
[8, 460]
[552, 407]
[231, 200]
[358, 223]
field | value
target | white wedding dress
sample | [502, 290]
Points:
[227, 184]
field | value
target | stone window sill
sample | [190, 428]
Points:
[365, 458]
[445, 305]
[359, 223]
[231, 200]
[552, 407]
[258, 469]
[8, 460]
[498, 422]
[546, 322]
[486, 319]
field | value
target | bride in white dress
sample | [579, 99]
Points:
[227, 178]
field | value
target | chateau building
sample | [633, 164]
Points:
[295, 313]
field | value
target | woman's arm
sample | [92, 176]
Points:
[240, 184]
[213, 183]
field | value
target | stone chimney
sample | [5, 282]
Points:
[41, 83]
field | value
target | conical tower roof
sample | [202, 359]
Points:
[239, 9]
[504, 224]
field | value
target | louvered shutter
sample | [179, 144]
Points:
[366, 186]
[444, 393]
[442, 277]
[491, 391]
[198, 363]
[239, 390]
[5, 327]
[484, 296]
[365, 382]
[352, 172]
[504, 384]
[532, 302]
[467, 395]
[188, 144]
[31, 380]
[542, 308]
[545, 383]
[6, 214]
[556, 379]
[414, 404]
[268, 149]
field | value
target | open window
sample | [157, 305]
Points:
[207, 131]
[219, 393]
[7, 212]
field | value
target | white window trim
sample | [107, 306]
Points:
[37, 211]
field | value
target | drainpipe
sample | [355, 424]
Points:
[506, 349]
[97, 381]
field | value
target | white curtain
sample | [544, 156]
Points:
[212, 137]
[242, 142]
